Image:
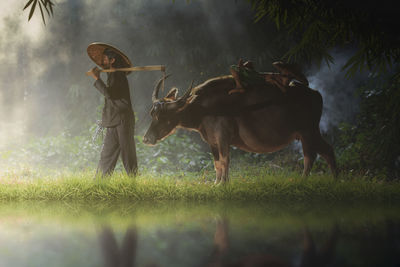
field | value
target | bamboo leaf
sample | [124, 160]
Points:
[44, 2]
[32, 10]
[51, 7]
[28, 4]
[41, 12]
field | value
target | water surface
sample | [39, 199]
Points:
[202, 234]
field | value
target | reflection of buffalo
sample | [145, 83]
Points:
[260, 120]
[310, 256]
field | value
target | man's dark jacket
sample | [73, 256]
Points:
[117, 106]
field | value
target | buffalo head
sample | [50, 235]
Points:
[165, 113]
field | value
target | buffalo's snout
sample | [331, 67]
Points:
[148, 140]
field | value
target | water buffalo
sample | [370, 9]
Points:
[263, 119]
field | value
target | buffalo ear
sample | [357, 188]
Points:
[172, 94]
[188, 101]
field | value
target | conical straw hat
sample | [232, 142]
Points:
[95, 52]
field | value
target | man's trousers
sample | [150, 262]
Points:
[119, 140]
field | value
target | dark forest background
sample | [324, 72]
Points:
[350, 53]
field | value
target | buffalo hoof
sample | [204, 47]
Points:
[220, 183]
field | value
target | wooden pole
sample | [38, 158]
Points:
[144, 68]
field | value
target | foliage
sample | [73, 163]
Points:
[176, 153]
[372, 145]
[319, 26]
[289, 159]
[43, 4]
[81, 152]
[57, 152]
[179, 152]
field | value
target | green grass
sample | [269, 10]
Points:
[259, 185]
[153, 215]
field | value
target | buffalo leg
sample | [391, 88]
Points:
[313, 144]
[221, 162]
[224, 160]
[225, 168]
[224, 139]
[217, 164]
[309, 155]
[219, 138]
[326, 151]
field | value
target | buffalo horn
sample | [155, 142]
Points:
[154, 97]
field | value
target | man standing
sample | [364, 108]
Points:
[118, 116]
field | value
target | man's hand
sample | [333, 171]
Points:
[95, 73]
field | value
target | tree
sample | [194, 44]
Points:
[372, 144]
[318, 26]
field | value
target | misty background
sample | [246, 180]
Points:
[44, 90]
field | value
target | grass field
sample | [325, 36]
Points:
[245, 185]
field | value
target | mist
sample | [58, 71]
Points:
[339, 92]
[44, 89]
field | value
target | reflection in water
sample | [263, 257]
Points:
[113, 256]
[136, 235]
[221, 243]
[323, 257]
[119, 257]
[310, 257]
[125, 255]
